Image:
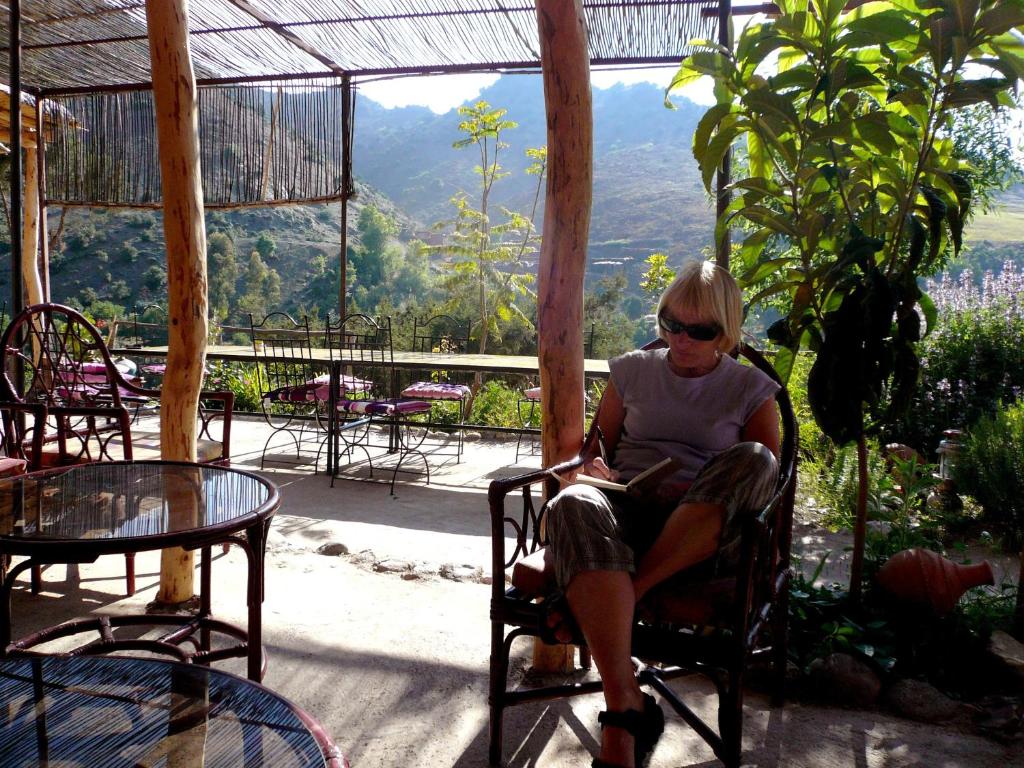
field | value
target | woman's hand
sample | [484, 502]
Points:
[598, 468]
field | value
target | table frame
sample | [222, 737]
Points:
[248, 531]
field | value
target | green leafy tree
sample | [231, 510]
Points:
[854, 179]
[656, 278]
[261, 293]
[486, 260]
[155, 280]
[223, 275]
[265, 246]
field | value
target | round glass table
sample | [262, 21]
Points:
[76, 514]
[130, 712]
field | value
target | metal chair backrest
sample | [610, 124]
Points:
[149, 326]
[283, 350]
[440, 333]
[363, 346]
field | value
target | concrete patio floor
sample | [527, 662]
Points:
[394, 665]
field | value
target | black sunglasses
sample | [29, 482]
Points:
[696, 331]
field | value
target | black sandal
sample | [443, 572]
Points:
[645, 727]
[557, 604]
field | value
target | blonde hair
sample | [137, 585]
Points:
[710, 291]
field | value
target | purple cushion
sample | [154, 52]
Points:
[383, 407]
[300, 393]
[433, 390]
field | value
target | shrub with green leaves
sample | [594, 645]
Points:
[495, 405]
[972, 361]
[239, 378]
[991, 468]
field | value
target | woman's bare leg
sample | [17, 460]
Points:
[690, 536]
[602, 603]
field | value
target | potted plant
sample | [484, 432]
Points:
[853, 189]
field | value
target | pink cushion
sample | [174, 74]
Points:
[434, 390]
[533, 393]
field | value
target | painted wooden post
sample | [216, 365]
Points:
[176, 104]
[566, 72]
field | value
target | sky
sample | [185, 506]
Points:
[442, 93]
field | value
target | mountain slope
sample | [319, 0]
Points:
[647, 192]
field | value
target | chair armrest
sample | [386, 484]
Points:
[763, 571]
[526, 527]
[20, 439]
[207, 416]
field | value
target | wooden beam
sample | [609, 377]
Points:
[567, 99]
[176, 103]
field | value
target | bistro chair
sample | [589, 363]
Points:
[361, 352]
[529, 402]
[66, 368]
[691, 623]
[441, 335]
[293, 386]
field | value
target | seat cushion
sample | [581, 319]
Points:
[11, 467]
[146, 446]
[690, 597]
[436, 390]
[383, 407]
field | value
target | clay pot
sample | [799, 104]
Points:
[926, 578]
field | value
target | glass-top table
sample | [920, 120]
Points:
[128, 712]
[76, 514]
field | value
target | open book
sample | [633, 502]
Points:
[640, 485]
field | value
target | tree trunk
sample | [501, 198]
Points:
[566, 72]
[175, 101]
[30, 230]
[861, 523]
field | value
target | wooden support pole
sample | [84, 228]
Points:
[44, 240]
[175, 100]
[30, 230]
[14, 51]
[566, 73]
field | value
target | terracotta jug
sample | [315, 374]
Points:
[926, 578]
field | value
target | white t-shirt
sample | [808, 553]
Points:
[691, 419]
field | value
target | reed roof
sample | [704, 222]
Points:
[102, 44]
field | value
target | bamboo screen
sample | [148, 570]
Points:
[260, 144]
[99, 44]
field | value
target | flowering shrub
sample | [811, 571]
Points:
[972, 361]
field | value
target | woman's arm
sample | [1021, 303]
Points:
[610, 416]
[763, 427]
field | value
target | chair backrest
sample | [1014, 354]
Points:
[588, 341]
[149, 326]
[283, 350]
[440, 333]
[51, 354]
[363, 347]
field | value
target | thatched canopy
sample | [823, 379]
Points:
[102, 44]
[89, 61]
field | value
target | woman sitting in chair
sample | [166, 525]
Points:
[692, 402]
